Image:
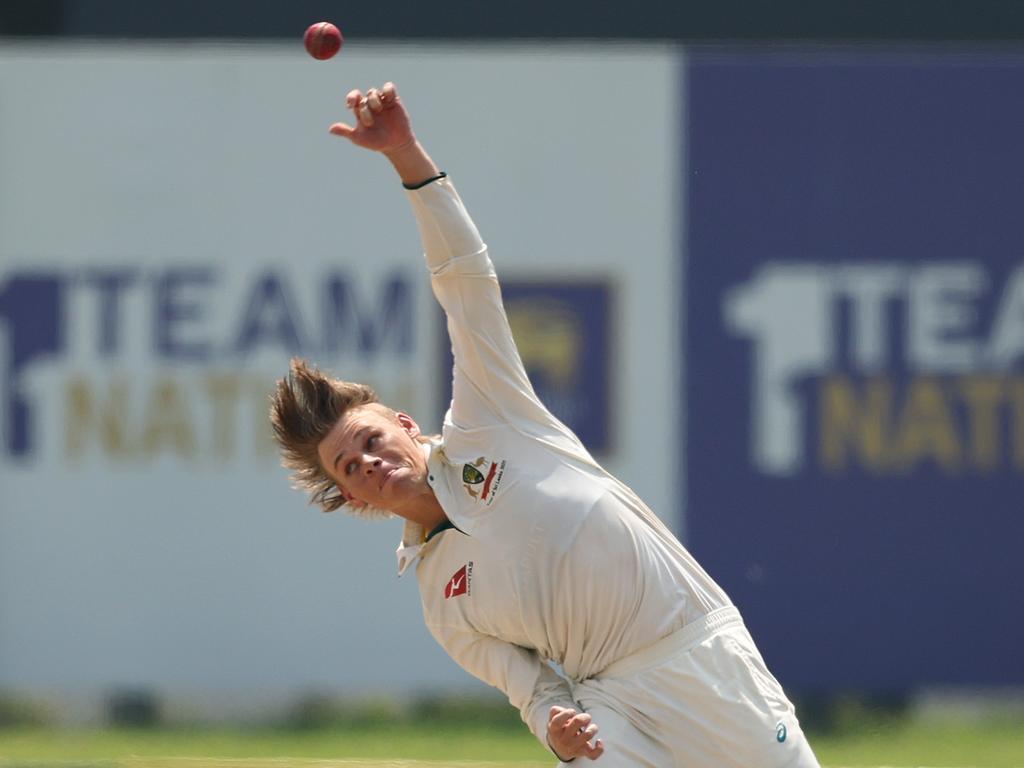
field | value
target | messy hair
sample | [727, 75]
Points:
[305, 407]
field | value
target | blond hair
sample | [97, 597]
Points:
[304, 409]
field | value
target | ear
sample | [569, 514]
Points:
[409, 425]
[350, 500]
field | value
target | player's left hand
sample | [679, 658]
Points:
[381, 121]
[569, 734]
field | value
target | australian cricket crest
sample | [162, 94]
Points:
[482, 477]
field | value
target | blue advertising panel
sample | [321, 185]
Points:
[563, 333]
[854, 352]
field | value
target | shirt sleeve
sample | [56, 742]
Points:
[489, 382]
[531, 685]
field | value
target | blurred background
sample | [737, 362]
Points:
[766, 258]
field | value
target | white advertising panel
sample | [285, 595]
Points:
[175, 224]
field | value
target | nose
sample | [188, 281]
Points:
[371, 464]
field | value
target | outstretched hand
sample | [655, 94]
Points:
[381, 122]
[569, 734]
[383, 125]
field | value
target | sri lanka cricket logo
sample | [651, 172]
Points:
[472, 477]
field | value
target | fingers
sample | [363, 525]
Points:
[568, 721]
[342, 129]
[579, 730]
[352, 100]
[558, 717]
[592, 752]
[381, 122]
[373, 101]
[364, 114]
[571, 732]
[357, 102]
[366, 107]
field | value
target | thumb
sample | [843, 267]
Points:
[342, 129]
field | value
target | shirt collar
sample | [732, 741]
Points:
[410, 546]
[414, 535]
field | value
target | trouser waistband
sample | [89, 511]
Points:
[681, 640]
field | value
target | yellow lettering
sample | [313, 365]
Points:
[224, 392]
[926, 428]
[984, 396]
[262, 434]
[214, 416]
[87, 417]
[1017, 400]
[851, 425]
[167, 422]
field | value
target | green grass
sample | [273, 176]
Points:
[994, 744]
[937, 745]
[405, 742]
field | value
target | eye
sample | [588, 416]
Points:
[350, 468]
[371, 442]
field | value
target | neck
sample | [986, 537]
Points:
[424, 510]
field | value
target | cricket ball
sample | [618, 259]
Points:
[322, 40]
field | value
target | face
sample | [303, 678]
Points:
[375, 460]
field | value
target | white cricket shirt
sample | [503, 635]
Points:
[553, 559]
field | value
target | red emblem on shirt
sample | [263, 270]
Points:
[458, 584]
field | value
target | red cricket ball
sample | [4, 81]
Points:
[322, 40]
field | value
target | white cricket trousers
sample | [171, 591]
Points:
[700, 698]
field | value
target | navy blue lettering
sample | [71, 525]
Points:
[110, 284]
[175, 308]
[349, 323]
[33, 308]
[268, 318]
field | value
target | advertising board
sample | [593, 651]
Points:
[175, 224]
[854, 345]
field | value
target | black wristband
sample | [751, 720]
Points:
[424, 183]
[560, 758]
